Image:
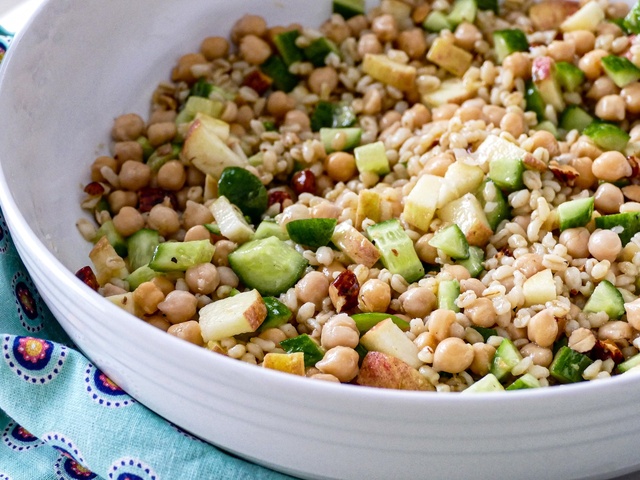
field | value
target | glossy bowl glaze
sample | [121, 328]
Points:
[79, 64]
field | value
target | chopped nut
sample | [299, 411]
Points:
[582, 340]
[564, 173]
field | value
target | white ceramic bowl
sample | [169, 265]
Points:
[79, 64]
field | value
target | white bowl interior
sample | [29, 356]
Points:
[78, 65]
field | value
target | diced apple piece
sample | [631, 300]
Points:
[369, 206]
[539, 288]
[459, 179]
[549, 14]
[285, 362]
[207, 151]
[125, 301]
[230, 221]
[468, 214]
[220, 128]
[387, 337]
[497, 147]
[421, 203]
[355, 245]
[587, 18]
[242, 313]
[543, 73]
[452, 90]
[446, 55]
[107, 262]
[382, 68]
[385, 371]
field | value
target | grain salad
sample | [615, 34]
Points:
[428, 195]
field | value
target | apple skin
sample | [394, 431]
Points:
[384, 371]
[285, 362]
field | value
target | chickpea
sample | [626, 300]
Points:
[332, 270]
[611, 166]
[100, 162]
[128, 221]
[608, 198]
[369, 43]
[196, 214]
[519, 63]
[426, 252]
[413, 43]
[245, 115]
[182, 71]
[467, 114]
[325, 377]
[602, 87]
[591, 63]
[340, 166]
[323, 80]
[158, 321]
[325, 210]
[604, 245]
[439, 164]
[418, 302]
[466, 35]
[540, 356]
[482, 358]
[481, 312]
[513, 123]
[172, 175]
[178, 306]
[529, 264]
[546, 140]
[161, 133]
[561, 51]
[357, 24]
[341, 362]
[298, 118]
[374, 296]
[164, 284]
[228, 277]
[129, 150]
[615, 330]
[134, 175]
[197, 232]
[472, 284]
[121, 198]
[440, 322]
[248, 25]
[583, 40]
[631, 96]
[493, 114]
[313, 287]
[340, 330]
[147, 296]
[452, 355]
[279, 103]
[444, 112]
[336, 30]
[160, 116]
[611, 107]
[163, 219]
[222, 251]
[417, 115]
[254, 50]
[543, 328]
[214, 47]
[126, 127]
[189, 331]
[584, 165]
[576, 240]
[195, 177]
[202, 278]
[385, 27]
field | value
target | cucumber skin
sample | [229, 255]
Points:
[451, 241]
[303, 343]
[613, 304]
[411, 268]
[568, 365]
[607, 136]
[244, 190]
[570, 218]
[312, 232]
[179, 256]
[629, 221]
[366, 321]
[141, 246]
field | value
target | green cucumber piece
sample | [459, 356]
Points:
[547, 126]
[213, 228]
[318, 50]
[244, 190]
[463, 11]
[397, 252]
[340, 139]
[575, 118]
[451, 241]
[141, 275]
[332, 115]
[575, 213]
[509, 41]
[285, 43]
[195, 105]
[348, 8]
[448, 293]
[506, 173]
[141, 246]
[179, 256]
[147, 148]
[372, 158]
[277, 314]
[629, 364]
[485, 332]
[494, 203]
[366, 321]
[626, 224]
[620, 69]
[632, 19]
[488, 5]
[606, 298]
[568, 365]
[305, 344]
[488, 383]
[117, 241]
[507, 356]
[473, 264]
[607, 136]
[534, 102]
[437, 21]
[525, 381]
[201, 88]
[569, 76]
[269, 265]
[269, 228]
[162, 155]
[277, 70]
[312, 232]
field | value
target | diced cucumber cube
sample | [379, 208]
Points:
[397, 252]
[463, 11]
[488, 383]
[606, 298]
[534, 102]
[277, 70]
[632, 20]
[366, 321]
[312, 232]
[494, 203]
[244, 190]
[340, 139]
[269, 228]
[437, 21]
[372, 158]
[318, 50]
[448, 293]
[575, 213]
[305, 344]
[277, 314]
[451, 241]
[506, 357]
[473, 264]
[506, 173]
[575, 118]
[285, 43]
[630, 363]
[568, 365]
[348, 8]
[508, 41]
[141, 247]
[569, 76]
[607, 136]
[525, 381]
[117, 241]
[620, 70]
[180, 256]
[625, 224]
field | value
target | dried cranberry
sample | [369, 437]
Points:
[344, 290]
[278, 196]
[94, 189]
[148, 197]
[88, 277]
[258, 81]
[304, 181]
